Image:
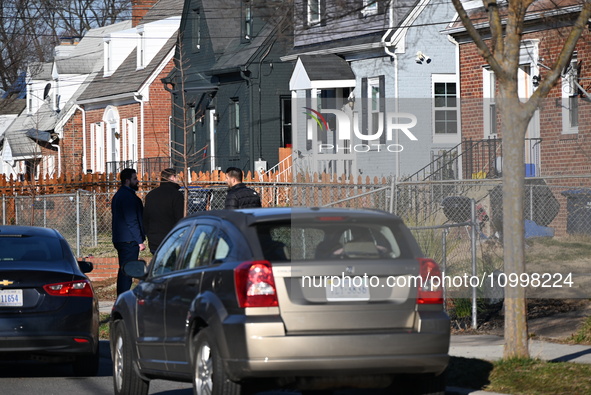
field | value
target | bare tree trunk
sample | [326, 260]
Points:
[515, 124]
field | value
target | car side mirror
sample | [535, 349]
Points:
[136, 269]
[85, 266]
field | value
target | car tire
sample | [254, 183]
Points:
[209, 376]
[126, 380]
[86, 365]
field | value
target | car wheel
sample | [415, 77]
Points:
[87, 365]
[209, 377]
[126, 379]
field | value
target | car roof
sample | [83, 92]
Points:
[11, 230]
[247, 217]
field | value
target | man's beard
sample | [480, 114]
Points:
[135, 187]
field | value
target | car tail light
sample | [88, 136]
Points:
[70, 288]
[255, 285]
[431, 286]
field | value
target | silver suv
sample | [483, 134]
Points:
[303, 298]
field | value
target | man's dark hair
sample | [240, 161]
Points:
[166, 174]
[234, 172]
[126, 174]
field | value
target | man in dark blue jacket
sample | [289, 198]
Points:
[127, 225]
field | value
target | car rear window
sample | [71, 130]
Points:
[29, 248]
[327, 241]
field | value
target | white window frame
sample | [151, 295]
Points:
[97, 146]
[131, 153]
[370, 7]
[235, 128]
[373, 112]
[108, 63]
[314, 17]
[488, 103]
[570, 91]
[141, 52]
[444, 138]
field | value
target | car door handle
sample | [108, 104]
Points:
[193, 283]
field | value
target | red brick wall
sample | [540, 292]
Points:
[104, 268]
[156, 142]
[561, 154]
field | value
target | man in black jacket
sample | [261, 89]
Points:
[239, 195]
[164, 207]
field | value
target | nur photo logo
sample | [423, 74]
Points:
[348, 125]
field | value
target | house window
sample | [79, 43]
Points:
[445, 104]
[314, 12]
[196, 30]
[373, 116]
[97, 146]
[141, 57]
[489, 106]
[247, 21]
[131, 140]
[286, 122]
[108, 60]
[234, 131]
[370, 7]
[570, 98]
[30, 99]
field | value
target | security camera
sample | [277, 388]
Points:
[421, 57]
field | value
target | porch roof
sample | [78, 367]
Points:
[321, 71]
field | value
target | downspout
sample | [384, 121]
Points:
[248, 80]
[84, 167]
[138, 98]
[457, 45]
[59, 158]
[393, 55]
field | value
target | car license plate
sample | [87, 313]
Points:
[11, 297]
[347, 292]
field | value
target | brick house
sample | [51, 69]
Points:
[122, 117]
[557, 139]
[558, 135]
[100, 105]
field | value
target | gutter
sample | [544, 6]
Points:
[128, 95]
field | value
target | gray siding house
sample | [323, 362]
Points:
[231, 100]
[374, 89]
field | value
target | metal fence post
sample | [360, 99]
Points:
[392, 194]
[16, 210]
[94, 221]
[444, 263]
[3, 210]
[474, 234]
[78, 223]
[44, 212]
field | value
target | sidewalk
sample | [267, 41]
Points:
[490, 348]
[105, 307]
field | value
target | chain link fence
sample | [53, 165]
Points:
[457, 223]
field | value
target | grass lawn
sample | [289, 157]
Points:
[520, 376]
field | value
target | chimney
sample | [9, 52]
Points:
[139, 9]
